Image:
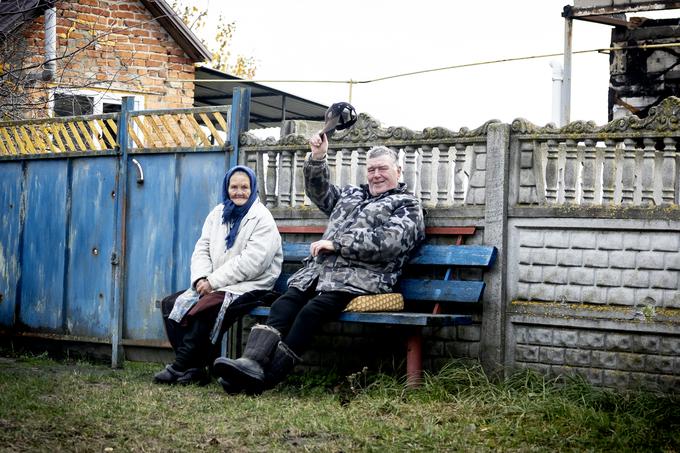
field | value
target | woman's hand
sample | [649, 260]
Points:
[203, 287]
[322, 246]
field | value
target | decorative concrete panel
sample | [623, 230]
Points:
[604, 357]
[551, 355]
[604, 267]
[572, 257]
[568, 338]
[577, 357]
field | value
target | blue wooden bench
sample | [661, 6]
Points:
[430, 286]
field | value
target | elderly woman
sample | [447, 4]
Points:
[234, 266]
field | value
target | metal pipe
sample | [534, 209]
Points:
[557, 78]
[566, 81]
[50, 65]
[414, 360]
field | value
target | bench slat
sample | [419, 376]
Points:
[442, 290]
[295, 251]
[434, 290]
[437, 255]
[459, 256]
[399, 318]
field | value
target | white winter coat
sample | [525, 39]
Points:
[253, 262]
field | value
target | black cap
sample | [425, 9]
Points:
[339, 116]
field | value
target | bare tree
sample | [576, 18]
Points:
[223, 60]
[31, 75]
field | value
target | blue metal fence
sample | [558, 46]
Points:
[89, 247]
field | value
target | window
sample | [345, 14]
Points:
[87, 102]
[73, 105]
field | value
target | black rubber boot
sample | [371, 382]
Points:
[170, 375]
[229, 387]
[247, 372]
[282, 363]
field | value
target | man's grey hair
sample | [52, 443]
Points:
[378, 151]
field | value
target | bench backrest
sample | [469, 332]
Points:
[440, 262]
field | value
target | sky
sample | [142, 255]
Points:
[367, 39]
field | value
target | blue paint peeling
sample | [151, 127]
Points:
[149, 245]
[11, 175]
[89, 286]
[44, 245]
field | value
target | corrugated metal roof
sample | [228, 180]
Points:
[585, 9]
[268, 106]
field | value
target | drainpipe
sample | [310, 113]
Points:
[557, 77]
[50, 65]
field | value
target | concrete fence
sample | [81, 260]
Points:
[585, 218]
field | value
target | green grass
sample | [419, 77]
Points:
[78, 406]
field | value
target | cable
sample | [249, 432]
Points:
[463, 65]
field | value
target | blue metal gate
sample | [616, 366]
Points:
[90, 242]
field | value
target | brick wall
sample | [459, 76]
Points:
[347, 348]
[117, 45]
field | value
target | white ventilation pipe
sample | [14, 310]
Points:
[557, 78]
[50, 65]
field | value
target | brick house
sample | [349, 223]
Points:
[103, 50]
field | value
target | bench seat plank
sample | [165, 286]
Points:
[396, 318]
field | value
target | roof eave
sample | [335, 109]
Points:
[184, 37]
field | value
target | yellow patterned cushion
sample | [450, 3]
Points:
[377, 302]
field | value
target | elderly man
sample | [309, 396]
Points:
[371, 231]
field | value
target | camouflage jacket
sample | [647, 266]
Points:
[373, 236]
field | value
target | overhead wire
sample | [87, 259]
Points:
[352, 82]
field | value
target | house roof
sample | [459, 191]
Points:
[268, 106]
[179, 31]
[13, 13]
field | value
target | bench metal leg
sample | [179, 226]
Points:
[224, 350]
[414, 359]
[231, 340]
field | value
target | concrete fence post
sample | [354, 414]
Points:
[495, 233]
